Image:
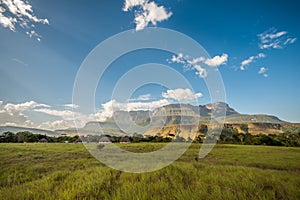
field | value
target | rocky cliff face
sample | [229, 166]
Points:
[191, 131]
[186, 115]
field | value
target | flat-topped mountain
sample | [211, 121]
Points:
[123, 122]
[172, 115]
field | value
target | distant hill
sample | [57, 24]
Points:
[169, 115]
[15, 129]
[174, 114]
[253, 119]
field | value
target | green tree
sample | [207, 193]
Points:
[8, 137]
[244, 127]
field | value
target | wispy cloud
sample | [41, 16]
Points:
[146, 12]
[263, 71]
[182, 95]
[34, 34]
[250, 60]
[196, 63]
[73, 106]
[14, 12]
[273, 39]
[145, 97]
[19, 61]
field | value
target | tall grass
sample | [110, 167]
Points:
[68, 171]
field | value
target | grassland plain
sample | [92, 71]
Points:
[68, 171]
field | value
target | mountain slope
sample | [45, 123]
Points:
[15, 129]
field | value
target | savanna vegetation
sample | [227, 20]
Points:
[229, 135]
[68, 171]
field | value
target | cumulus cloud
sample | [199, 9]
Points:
[182, 95]
[7, 22]
[64, 114]
[13, 114]
[17, 108]
[217, 60]
[56, 125]
[195, 63]
[133, 106]
[146, 12]
[273, 39]
[250, 60]
[67, 117]
[211, 62]
[107, 109]
[132, 3]
[14, 12]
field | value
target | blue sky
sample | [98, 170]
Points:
[39, 60]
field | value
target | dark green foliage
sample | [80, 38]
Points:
[229, 131]
[203, 129]
[285, 139]
[29, 137]
[228, 135]
[244, 127]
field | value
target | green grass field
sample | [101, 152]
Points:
[68, 171]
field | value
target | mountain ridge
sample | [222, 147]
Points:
[172, 114]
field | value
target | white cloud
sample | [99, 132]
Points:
[147, 12]
[34, 34]
[273, 39]
[65, 117]
[13, 114]
[196, 60]
[14, 12]
[17, 108]
[64, 114]
[201, 72]
[263, 71]
[145, 97]
[217, 60]
[250, 60]
[290, 41]
[7, 22]
[68, 117]
[73, 106]
[178, 59]
[211, 62]
[132, 3]
[182, 95]
[112, 106]
[194, 63]
[56, 125]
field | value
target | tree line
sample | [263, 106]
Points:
[288, 138]
[28, 137]
[229, 135]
